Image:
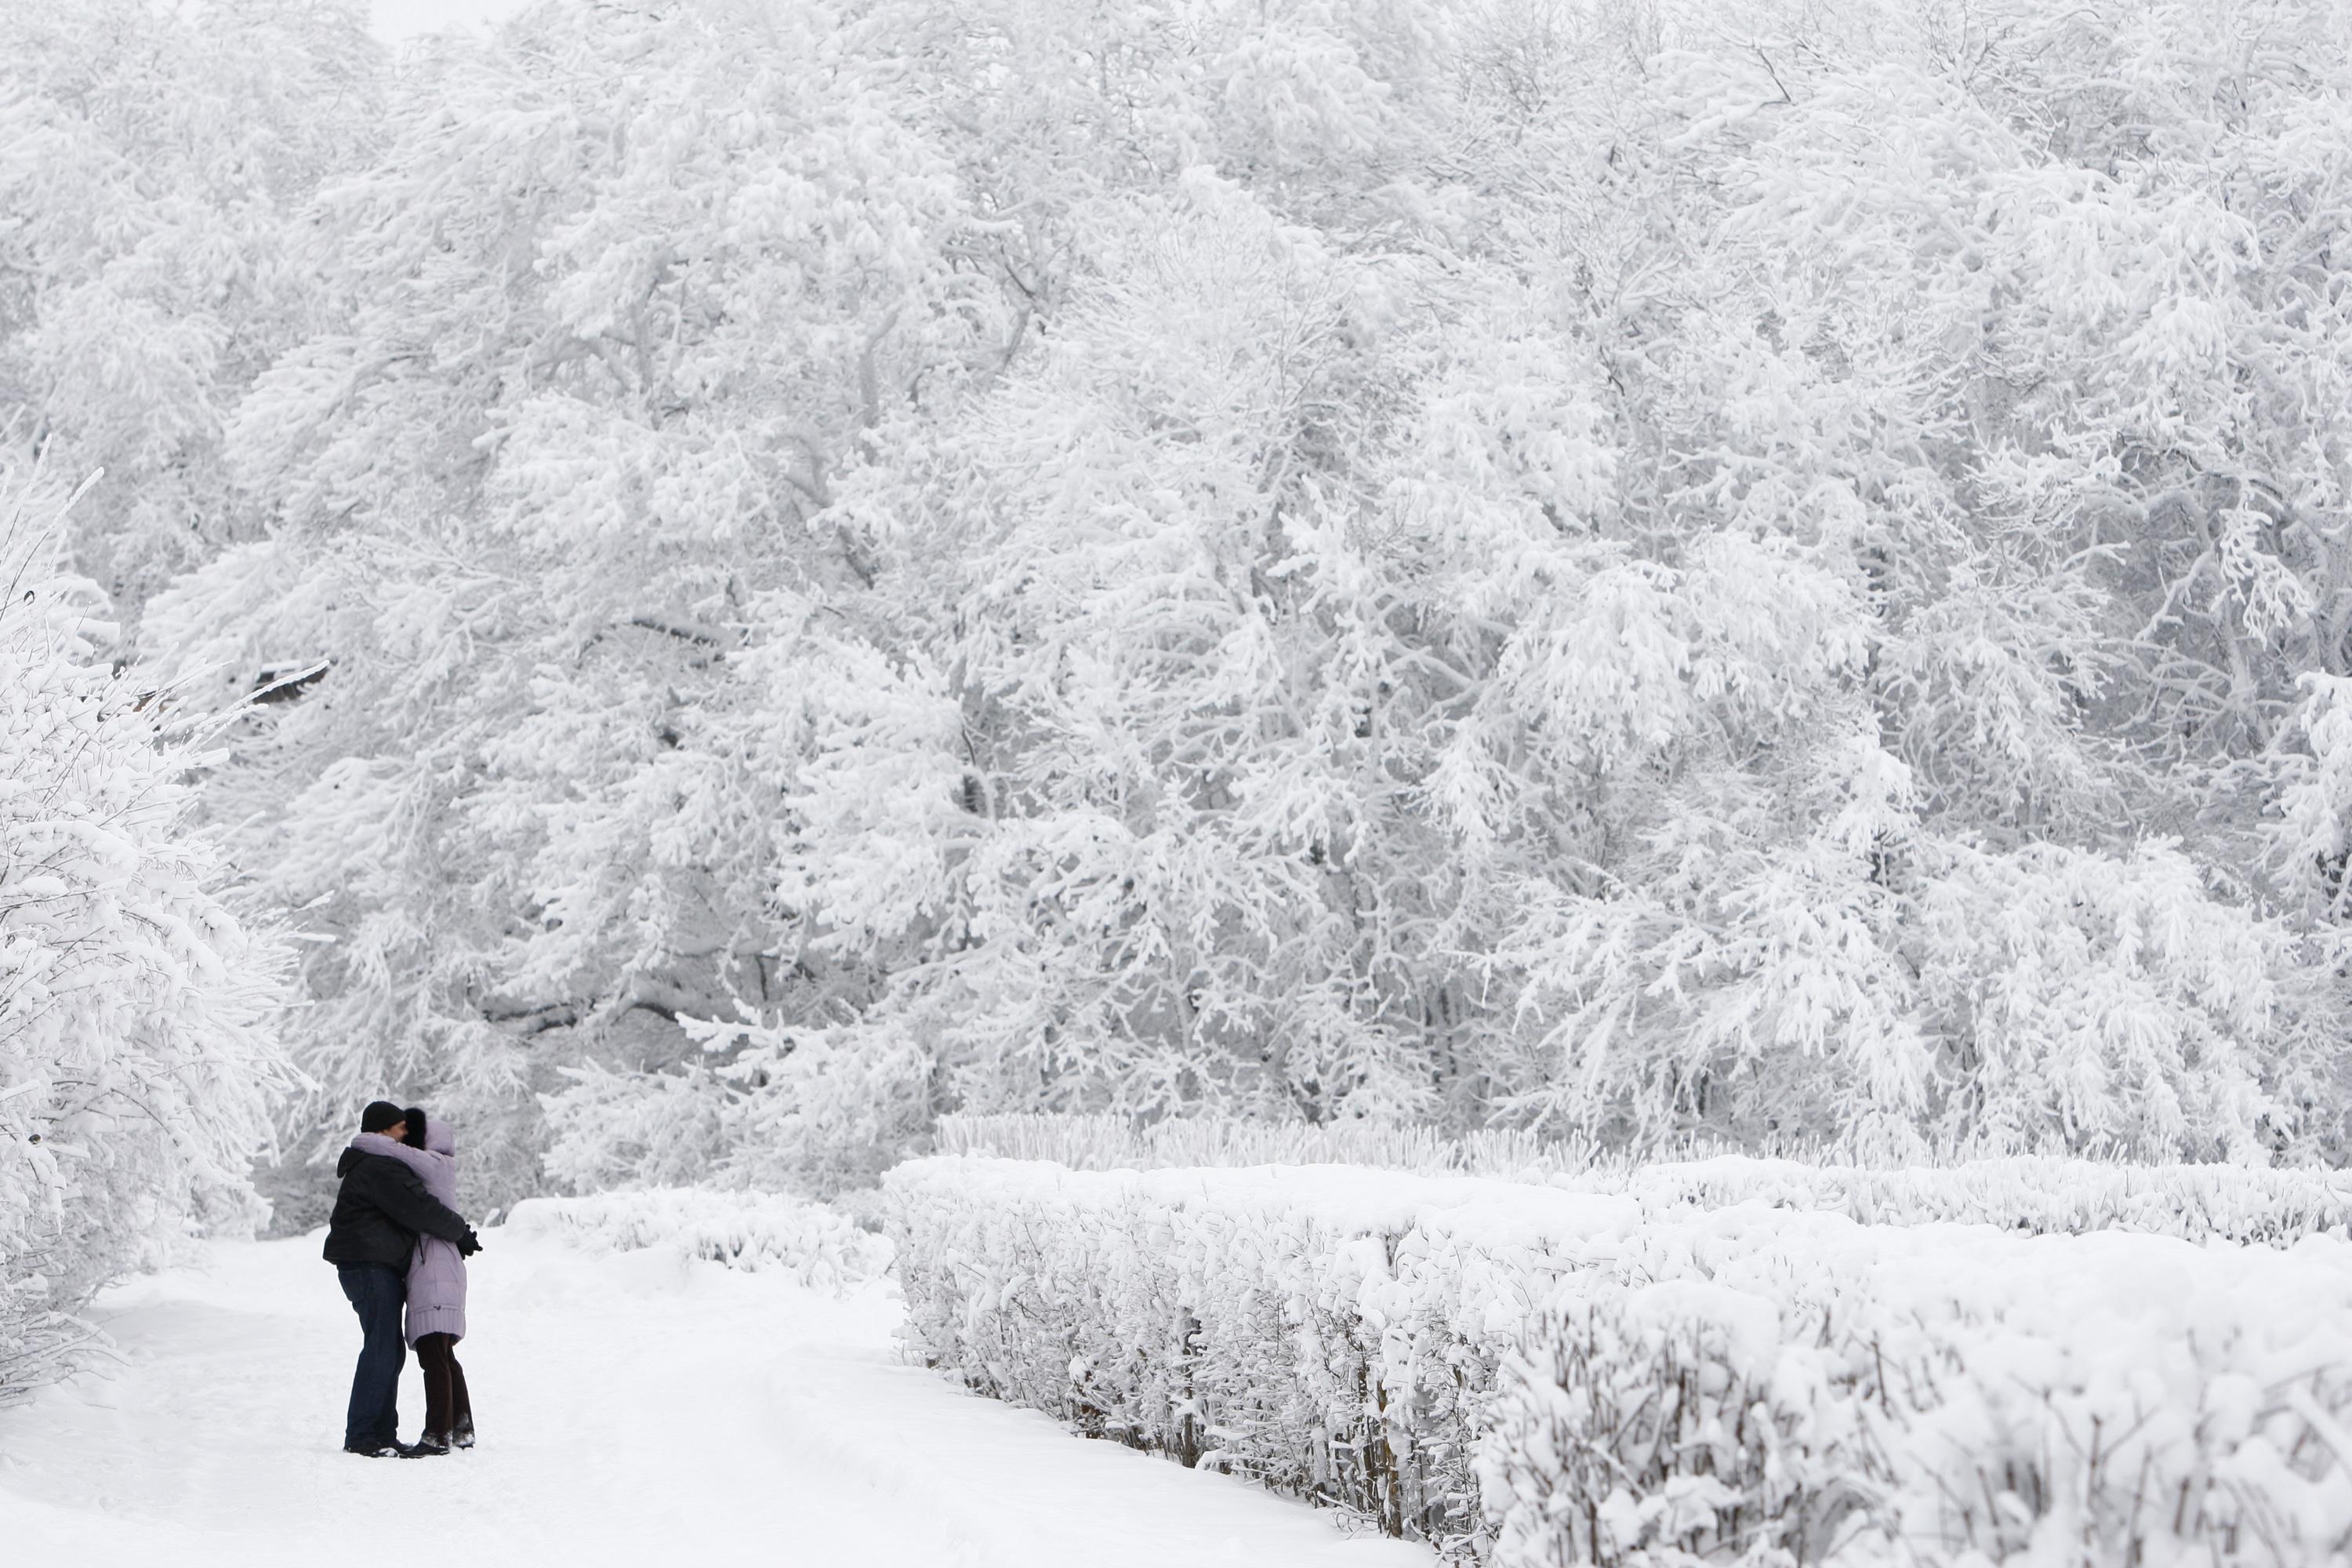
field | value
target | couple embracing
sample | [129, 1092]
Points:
[395, 1239]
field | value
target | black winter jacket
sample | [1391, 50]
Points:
[382, 1207]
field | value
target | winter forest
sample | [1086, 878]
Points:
[737, 591]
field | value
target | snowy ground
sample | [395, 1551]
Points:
[632, 1408]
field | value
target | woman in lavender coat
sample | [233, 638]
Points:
[436, 1285]
[436, 1296]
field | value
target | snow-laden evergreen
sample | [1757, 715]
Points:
[137, 1061]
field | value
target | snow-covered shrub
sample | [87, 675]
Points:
[1761, 1387]
[135, 1064]
[1299, 1328]
[2034, 1194]
[1560, 1377]
[819, 1246]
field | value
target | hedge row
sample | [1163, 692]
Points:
[1535, 1377]
[2032, 1193]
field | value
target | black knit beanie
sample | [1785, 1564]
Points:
[379, 1115]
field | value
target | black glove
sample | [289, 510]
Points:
[470, 1245]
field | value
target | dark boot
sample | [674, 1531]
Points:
[427, 1446]
[462, 1433]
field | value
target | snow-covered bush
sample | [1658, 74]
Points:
[1769, 1387]
[136, 1067]
[2032, 1193]
[1298, 1329]
[1555, 1377]
[820, 1247]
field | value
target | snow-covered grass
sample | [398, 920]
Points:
[819, 1246]
[2032, 1193]
[1551, 1377]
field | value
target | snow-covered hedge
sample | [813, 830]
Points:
[1302, 1331]
[1102, 1143]
[1546, 1378]
[2032, 1193]
[1766, 1386]
[819, 1246]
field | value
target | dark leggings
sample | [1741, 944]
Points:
[444, 1383]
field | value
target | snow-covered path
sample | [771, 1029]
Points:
[634, 1408]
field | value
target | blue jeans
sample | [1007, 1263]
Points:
[377, 1293]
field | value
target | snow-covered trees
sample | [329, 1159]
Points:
[1774, 570]
[136, 1063]
[153, 160]
[620, 299]
[1645, 676]
[1969, 349]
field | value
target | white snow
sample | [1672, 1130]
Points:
[635, 1407]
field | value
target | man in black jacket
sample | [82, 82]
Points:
[378, 1214]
